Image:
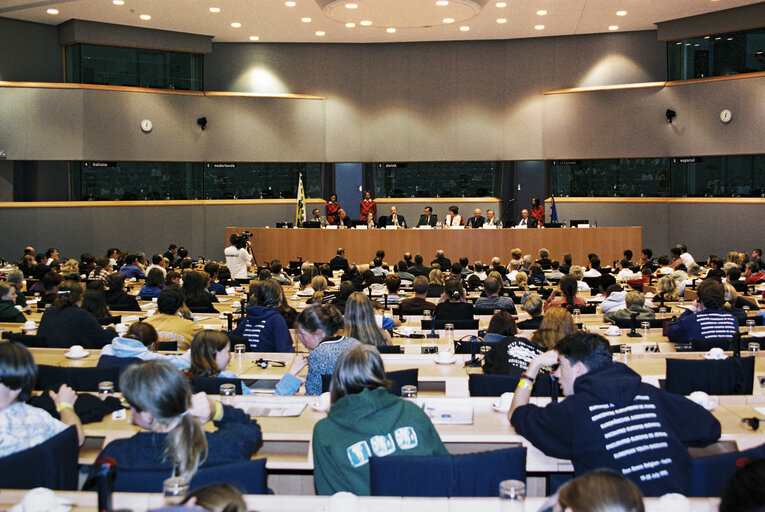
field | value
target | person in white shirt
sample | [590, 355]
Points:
[480, 270]
[526, 221]
[238, 257]
[626, 273]
[453, 218]
[664, 266]
[594, 268]
[157, 261]
[490, 221]
[694, 274]
[513, 268]
[578, 273]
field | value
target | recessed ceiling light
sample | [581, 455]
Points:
[448, 20]
[541, 12]
[320, 33]
[390, 30]
[306, 19]
[215, 9]
[236, 24]
[464, 28]
[613, 27]
[730, 39]
[621, 13]
[254, 38]
[718, 38]
[697, 44]
[118, 2]
[366, 23]
[679, 44]
[442, 3]
[52, 11]
[289, 4]
[687, 44]
[501, 4]
[350, 24]
[145, 17]
[501, 20]
[539, 27]
[351, 6]
[706, 37]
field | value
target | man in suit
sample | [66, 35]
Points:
[418, 269]
[427, 218]
[394, 219]
[526, 221]
[490, 220]
[339, 262]
[476, 221]
[444, 262]
[318, 217]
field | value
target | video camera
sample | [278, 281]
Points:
[240, 241]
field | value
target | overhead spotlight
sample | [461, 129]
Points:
[671, 114]
[202, 122]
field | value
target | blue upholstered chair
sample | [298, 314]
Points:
[52, 464]
[731, 376]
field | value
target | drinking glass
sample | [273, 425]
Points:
[175, 489]
[105, 389]
[645, 326]
[409, 391]
[750, 326]
[227, 393]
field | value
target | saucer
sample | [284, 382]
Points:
[498, 407]
[450, 361]
[707, 356]
[316, 406]
[619, 333]
[72, 356]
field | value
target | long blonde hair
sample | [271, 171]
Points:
[556, 325]
[360, 321]
[319, 285]
[159, 388]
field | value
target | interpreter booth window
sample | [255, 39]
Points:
[135, 67]
[719, 176]
[136, 181]
[631, 177]
[439, 179]
[717, 55]
[260, 180]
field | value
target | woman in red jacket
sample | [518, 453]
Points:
[332, 208]
[367, 205]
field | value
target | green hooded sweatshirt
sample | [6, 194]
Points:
[9, 313]
[366, 424]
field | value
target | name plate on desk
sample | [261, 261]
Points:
[457, 227]
[361, 226]
[391, 227]
[424, 226]
[331, 227]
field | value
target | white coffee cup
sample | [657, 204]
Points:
[716, 353]
[29, 325]
[323, 401]
[701, 398]
[121, 329]
[445, 356]
[505, 399]
[613, 330]
[76, 350]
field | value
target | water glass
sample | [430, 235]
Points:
[514, 490]
[227, 393]
[681, 300]
[753, 346]
[645, 326]
[449, 333]
[746, 309]
[239, 350]
[750, 325]
[409, 391]
[662, 312]
[625, 350]
[175, 489]
[577, 312]
[426, 314]
[105, 389]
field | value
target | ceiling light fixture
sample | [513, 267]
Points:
[442, 3]
[501, 20]
[621, 13]
[351, 6]
[448, 20]
[613, 27]
[365, 23]
[145, 17]
[539, 27]
[390, 30]
[541, 12]
[464, 28]
[289, 4]
[320, 33]
[350, 24]
[254, 38]
[306, 19]
[215, 9]
[118, 2]
[52, 11]
[501, 4]
[236, 24]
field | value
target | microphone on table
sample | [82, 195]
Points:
[633, 326]
[105, 481]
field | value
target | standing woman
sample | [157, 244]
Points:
[538, 211]
[367, 206]
[161, 403]
[365, 420]
[332, 208]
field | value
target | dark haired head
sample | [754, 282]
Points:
[418, 259]
[744, 491]
[323, 317]
[592, 350]
[17, 369]
[627, 254]
[648, 252]
[711, 293]
[169, 301]
[453, 289]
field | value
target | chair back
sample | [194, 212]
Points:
[481, 384]
[52, 464]
[626, 323]
[592, 282]
[390, 349]
[79, 379]
[29, 340]
[398, 378]
[710, 474]
[211, 385]
[249, 477]
[458, 324]
[731, 376]
[471, 474]
[121, 363]
[167, 346]
[109, 320]
[705, 344]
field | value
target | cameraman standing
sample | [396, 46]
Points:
[238, 257]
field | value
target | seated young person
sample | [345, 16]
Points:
[319, 329]
[363, 324]
[8, 310]
[210, 354]
[264, 327]
[709, 320]
[635, 303]
[362, 413]
[117, 297]
[533, 306]
[215, 288]
[170, 326]
[195, 293]
[565, 295]
[418, 303]
[154, 284]
[172, 419]
[65, 323]
[599, 490]
[453, 305]
[140, 341]
[23, 426]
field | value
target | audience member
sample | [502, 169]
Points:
[744, 491]
[418, 303]
[210, 353]
[565, 294]
[492, 300]
[265, 329]
[154, 284]
[634, 304]
[533, 306]
[117, 297]
[453, 305]
[362, 324]
[171, 327]
[9, 312]
[600, 490]
[140, 342]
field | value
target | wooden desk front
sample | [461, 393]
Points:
[477, 244]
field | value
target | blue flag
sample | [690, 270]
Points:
[553, 211]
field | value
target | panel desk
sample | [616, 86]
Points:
[477, 244]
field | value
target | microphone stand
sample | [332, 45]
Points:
[633, 326]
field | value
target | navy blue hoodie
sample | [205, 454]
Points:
[614, 420]
[265, 330]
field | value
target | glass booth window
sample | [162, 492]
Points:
[717, 55]
[437, 179]
[260, 180]
[135, 67]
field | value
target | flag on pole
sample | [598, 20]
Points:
[300, 207]
[553, 211]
